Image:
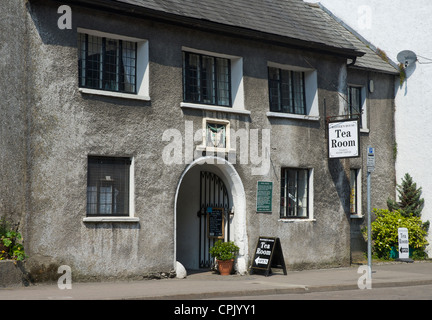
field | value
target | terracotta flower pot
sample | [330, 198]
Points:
[225, 266]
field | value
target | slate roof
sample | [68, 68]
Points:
[372, 59]
[291, 19]
[298, 23]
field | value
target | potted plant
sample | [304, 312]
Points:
[224, 253]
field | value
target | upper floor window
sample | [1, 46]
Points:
[107, 64]
[287, 91]
[113, 65]
[206, 79]
[355, 104]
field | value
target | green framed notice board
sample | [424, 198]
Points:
[264, 196]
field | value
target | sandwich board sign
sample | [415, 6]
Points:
[268, 254]
[403, 243]
[343, 139]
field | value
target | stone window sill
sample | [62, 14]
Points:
[198, 106]
[114, 94]
[292, 116]
[288, 220]
[111, 219]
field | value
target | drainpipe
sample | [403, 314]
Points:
[352, 62]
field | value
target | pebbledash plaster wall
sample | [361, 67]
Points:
[394, 26]
[51, 128]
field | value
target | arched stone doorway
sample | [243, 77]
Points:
[187, 206]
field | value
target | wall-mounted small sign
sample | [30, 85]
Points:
[264, 196]
[370, 162]
[215, 222]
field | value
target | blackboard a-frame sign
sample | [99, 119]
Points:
[268, 254]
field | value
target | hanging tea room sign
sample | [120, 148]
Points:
[343, 139]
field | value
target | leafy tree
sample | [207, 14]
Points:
[410, 201]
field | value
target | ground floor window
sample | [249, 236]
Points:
[294, 193]
[108, 186]
[354, 191]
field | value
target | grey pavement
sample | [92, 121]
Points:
[209, 285]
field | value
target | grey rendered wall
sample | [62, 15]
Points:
[66, 126]
[323, 241]
[13, 107]
[381, 136]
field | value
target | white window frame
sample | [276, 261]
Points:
[310, 199]
[237, 89]
[311, 93]
[131, 217]
[142, 72]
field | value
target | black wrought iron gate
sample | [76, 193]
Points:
[213, 194]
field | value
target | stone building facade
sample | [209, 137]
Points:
[123, 133]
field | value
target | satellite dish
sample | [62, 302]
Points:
[407, 57]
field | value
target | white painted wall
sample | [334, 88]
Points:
[393, 26]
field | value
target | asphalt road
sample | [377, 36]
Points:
[392, 293]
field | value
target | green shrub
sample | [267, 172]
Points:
[224, 250]
[385, 233]
[10, 243]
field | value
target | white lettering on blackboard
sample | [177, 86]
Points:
[261, 261]
[265, 252]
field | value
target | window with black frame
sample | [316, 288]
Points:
[108, 186]
[107, 64]
[355, 103]
[287, 91]
[206, 79]
[294, 193]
